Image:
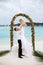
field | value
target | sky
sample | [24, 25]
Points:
[33, 8]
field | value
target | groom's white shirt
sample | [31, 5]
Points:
[20, 33]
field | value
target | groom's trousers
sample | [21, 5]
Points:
[20, 48]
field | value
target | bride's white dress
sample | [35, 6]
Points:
[25, 44]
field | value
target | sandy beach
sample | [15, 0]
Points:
[12, 58]
[4, 47]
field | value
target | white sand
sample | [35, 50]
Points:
[4, 47]
[12, 59]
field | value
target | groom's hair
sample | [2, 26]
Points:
[15, 29]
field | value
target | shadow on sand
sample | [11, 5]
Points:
[39, 55]
[4, 52]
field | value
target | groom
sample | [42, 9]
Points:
[19, 43]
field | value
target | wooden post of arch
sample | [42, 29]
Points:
[32, 29]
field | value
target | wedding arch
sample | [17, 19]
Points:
[32, 29]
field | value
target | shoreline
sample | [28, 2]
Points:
[38, 46]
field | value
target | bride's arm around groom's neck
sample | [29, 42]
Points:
[23, 25]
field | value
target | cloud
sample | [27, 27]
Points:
[3, 0]
[33, 8]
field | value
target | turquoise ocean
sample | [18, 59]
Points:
[5, 35]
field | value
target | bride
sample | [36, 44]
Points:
[26, 46]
